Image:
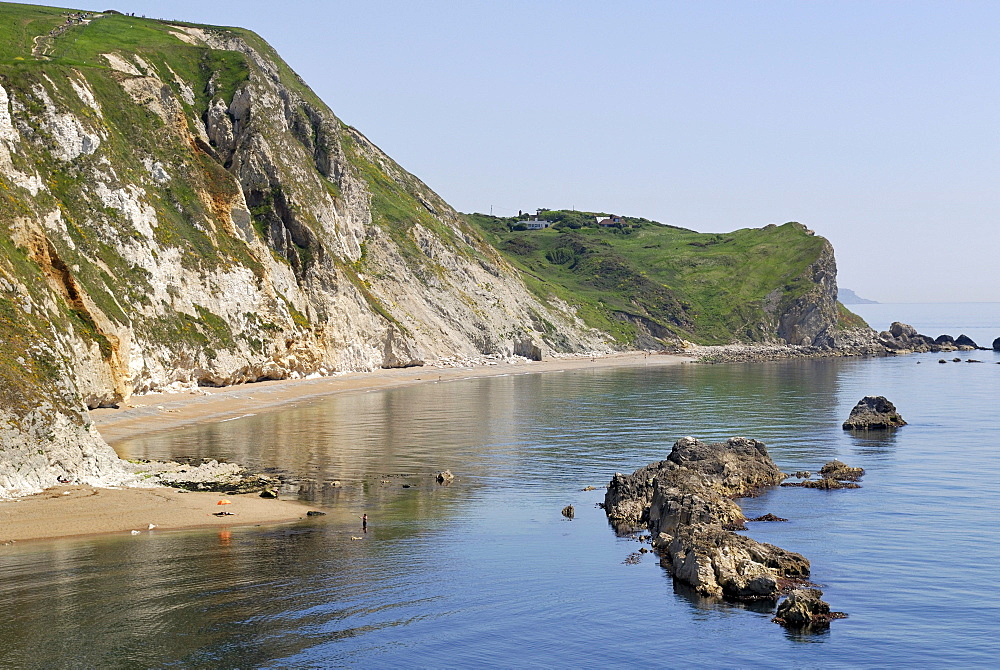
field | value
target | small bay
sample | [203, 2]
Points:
[486, 571]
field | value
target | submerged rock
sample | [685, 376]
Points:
[873, 413]
[834, 475]
[444, 477]
[824, 483]
[805, 608]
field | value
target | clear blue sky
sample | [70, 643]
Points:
[877, 124]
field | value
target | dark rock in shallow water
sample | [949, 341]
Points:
[941, 340]
[826, 483]
[902, 337]
[444, 477]
[873, 413]
[738, 467]
[719, 562]
[568, 511]
[735, 468]
[768, 517]
[685, 501]
[996, 344]
[842, 471]
[805, 608]
[834, 475]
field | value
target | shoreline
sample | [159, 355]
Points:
[162, 411]
[100, 511]
[77, 511]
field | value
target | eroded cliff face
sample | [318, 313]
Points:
[808, 317]
[193, 213]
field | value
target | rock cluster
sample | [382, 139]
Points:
[853, 342]
[899, 339]
[841, 471]
[873, 413]
[903, 338]
[686, 502]
[804, 608]
[833, 475]
[208, 476]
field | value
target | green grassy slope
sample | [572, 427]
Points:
[708, 288]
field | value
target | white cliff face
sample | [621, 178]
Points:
[72, 453]
[164, 225]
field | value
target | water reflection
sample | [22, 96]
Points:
[875, 443]
[477, 572]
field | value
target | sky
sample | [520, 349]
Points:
[876, 124]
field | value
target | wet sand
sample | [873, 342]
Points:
[70, 511]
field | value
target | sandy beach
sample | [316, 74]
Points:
[70, 511]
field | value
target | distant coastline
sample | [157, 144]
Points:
[848, 297]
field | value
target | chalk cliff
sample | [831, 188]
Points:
[177, 206]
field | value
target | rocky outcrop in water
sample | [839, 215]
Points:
[686, 503]
[966, 343]
[804, 609]
[902, 338]
[873, 413]
[833, 475]
[841, 471]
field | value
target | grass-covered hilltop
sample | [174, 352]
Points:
[645, 282]
[177, 206]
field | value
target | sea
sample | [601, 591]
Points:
[487, 572]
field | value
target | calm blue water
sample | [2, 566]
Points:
[486, 572]
[978, 320]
